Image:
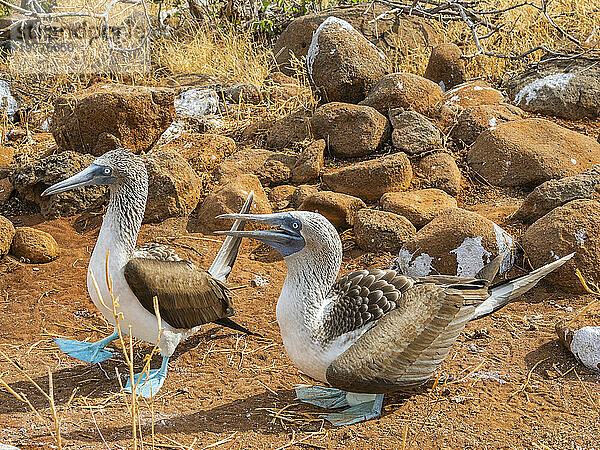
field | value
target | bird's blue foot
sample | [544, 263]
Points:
[361, 406]
[148, 384]
[89, 352]
[324, 397]
[369, 408]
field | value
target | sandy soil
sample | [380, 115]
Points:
[507, 383]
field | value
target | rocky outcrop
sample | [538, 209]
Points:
[339, 209]
[419, 207]
[350, 130]
[440, 171]
[369, 180]
[472, 93]
[405, 90]
[342, 64]
[106, 116]
[272, 168]
[309, 164]
[226, 200]
[7, 232]
[396, 36]
[456, 242]
[34, 246]
[555, 193]
[474, 120]
[568, 90]
[573, 227]
[528, 152]
[31, 178]
[173, 188]
[289, 130]
[446, 67]
[381, 231]
[413, 133]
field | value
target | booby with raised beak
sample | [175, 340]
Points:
[188, 296]
[372, 331]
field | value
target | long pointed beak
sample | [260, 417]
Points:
[277, 235]
[86, 177]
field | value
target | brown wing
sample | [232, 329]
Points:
[187, 296]
[408, 344]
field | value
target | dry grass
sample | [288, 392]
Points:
[223, 54]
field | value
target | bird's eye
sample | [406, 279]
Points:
[295, 225]
[107, 171]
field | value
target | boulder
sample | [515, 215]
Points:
[301, 193]
[558, 89]
[413, 133]
[440, 171]
[6, 188]
[381, 231]
[456, 242]
[369, 180]
[8, 102]
[397, 36]
[7, 232]
[309, 164]
[339, 209]
[173, 188]
[272, 168]
[419, 207]
[472, 93]
[226, 200]
[242, 93]
[350, 130]
[31, 177]
[34, 246]
[474, 120]
[573, 227]
[289, 130]
[555, 193]
[106, 116]
[6, 155]
[281, 196]
[342, 64]
[204, 151]
[446, 67]
[196, 102]
[280, 88]
[580, 333]
[405, 90]
[528, 152]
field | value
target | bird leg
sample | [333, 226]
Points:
[148, 384]
[361, 406]
[89, 352]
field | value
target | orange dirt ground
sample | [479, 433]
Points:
[507, 382]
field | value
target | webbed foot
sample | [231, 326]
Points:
[148, 384]
[89, 352]
[365, 410]
[324, 397]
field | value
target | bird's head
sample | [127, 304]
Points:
[113, 167]
[292, 231]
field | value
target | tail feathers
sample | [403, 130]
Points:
[223, 263]
[490, 270]
[507, 291]
[227, 322]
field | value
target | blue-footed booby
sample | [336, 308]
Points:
[372, 331]
[188, 296]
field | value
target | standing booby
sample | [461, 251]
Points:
[188, 296]
[372, 331]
